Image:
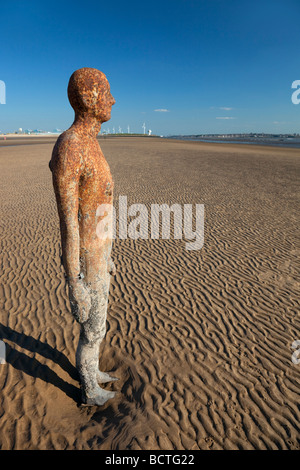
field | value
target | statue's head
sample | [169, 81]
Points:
[89, 93]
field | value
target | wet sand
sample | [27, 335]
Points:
[200, 340]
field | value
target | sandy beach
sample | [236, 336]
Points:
[201, 340]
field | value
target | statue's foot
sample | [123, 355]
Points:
[100, 398]
[104, 377]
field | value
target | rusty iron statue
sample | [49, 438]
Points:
[82, 183]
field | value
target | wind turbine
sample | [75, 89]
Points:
[114, 130]
[128, 129]
[120, 130]
[144, 127]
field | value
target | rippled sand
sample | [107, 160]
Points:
[201, 340]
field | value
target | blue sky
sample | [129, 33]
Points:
[180, 66]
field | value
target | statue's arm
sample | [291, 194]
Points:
[65, 176]
[65, 183]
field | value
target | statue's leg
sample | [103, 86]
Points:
[104, 377]
[95, 249]
[87, 354]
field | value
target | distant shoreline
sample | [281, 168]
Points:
[31, 139]
[9, 140]
[17, 140]
[273, 142]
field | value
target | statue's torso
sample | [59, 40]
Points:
[80, 159]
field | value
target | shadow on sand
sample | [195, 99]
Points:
[34, 368]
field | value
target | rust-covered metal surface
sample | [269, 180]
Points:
[83, 185]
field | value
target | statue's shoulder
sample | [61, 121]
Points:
[67, 140]
[66, 151]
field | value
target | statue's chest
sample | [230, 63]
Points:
[96, 174]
